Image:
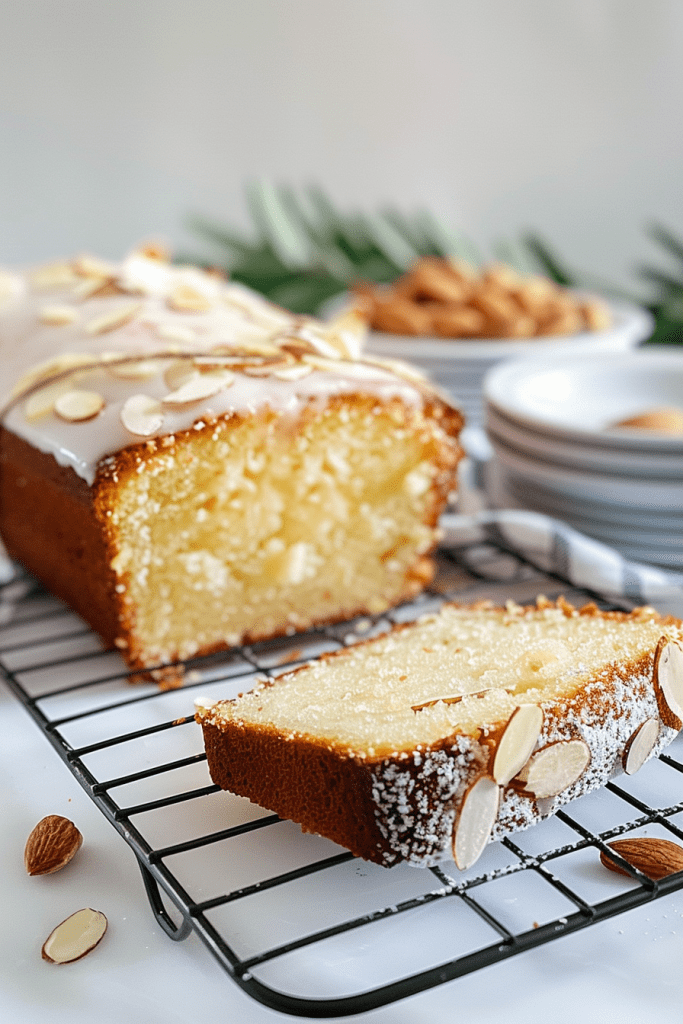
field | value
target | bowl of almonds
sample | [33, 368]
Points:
[455, 322]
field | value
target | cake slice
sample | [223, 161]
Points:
[467, 725]
[191, 467]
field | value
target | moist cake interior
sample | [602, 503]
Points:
[272, 527]
[361, 701]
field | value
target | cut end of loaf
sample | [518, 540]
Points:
[258, 526]
[543, 702]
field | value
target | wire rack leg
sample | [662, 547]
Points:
[177, 932]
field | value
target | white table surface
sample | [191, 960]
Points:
[626, 969]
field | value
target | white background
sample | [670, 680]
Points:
[119, 120]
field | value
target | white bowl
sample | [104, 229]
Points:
[460, 366]
[644, 496]
[564, 451]
[576, 399]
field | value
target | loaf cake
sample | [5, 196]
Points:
[191, 467]
[467, 725]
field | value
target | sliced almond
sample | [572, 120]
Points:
[323, 343]
[91, 266]
[112, 320]
[88, 287]
[155, 250]
[397, 366]
[77, 405]
[655, 857]
[42, 402]
[203, 385]
[347, 367]
[186, 299]
[265, 369]
[668, 680]
[75, 937]
[349, 330]
[202, 701]
[555, 767]
[475, 821]
[517, 742]
[51, 845]
[53, 276]
[294, 372]
[664, 421]
[179, 373]
[57, 316]
[134, 369]
[52, 368]
[142, 415]
[640, 745]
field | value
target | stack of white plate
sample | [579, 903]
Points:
[459, 365]
[556, 450]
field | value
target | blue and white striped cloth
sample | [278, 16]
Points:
[552, 546]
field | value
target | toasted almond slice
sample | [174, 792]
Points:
[42, 402]
[555, 767]
[293, 372]
[640, 745]
[56, 316]
[668, 680]
[91, 266]
[203, 701]
[401, 369]
[52, 368]
[664, 420]
[186, 299]
[475, 821]
[75, 937]
[176, 332]
[265, 369]
[77, 405]
[142, 415]
[154, 250]
[517, 742]
[204, 385]
[53, 276]
[135, 369]
[179, 373]
[324, 345]
[112, 320]
[348, 331]
[86, 287]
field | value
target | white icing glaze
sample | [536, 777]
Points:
[235, 318]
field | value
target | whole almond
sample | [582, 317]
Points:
[51, 845]
[656, 858]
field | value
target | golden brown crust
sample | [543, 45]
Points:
[48, 523]
[61, 529]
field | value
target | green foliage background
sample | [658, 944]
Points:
[303, 251]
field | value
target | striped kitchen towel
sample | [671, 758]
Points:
[554, 547]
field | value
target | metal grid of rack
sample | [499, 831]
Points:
[296, 921]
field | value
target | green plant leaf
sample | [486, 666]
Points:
[548, 260]
[667, 239]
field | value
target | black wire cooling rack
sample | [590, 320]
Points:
[296, 921]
